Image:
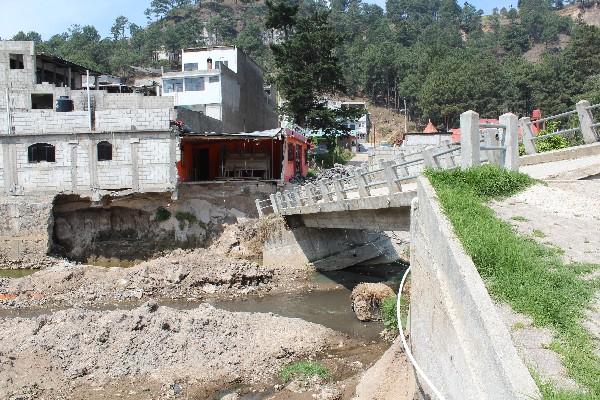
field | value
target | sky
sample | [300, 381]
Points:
[49, 17]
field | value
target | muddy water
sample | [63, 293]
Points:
[328, 304]
[16, 273]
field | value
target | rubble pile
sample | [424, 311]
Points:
[186, 274]
[76, 348]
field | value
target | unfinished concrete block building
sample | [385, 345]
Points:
[56, 137]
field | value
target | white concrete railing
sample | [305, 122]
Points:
[585, 117]
[493, 143]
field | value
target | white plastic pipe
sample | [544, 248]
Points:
[412, 360]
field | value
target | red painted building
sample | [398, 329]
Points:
[262, 155]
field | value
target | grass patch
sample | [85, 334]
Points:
[388, 313]
[518, 326]
[530, 277]
[162, 214]
[519, 218]
[303, 370]
[538, 234]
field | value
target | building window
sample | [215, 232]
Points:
[290, 152]
[218, 64]
[173, 85]
[213, 79]
[190, 67]
[194, 84]
[41, 152]
[42, 101]
[104, 151]
[16, 61]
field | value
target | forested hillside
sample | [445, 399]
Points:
[441, 57]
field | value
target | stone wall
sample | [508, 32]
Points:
[457, 337]
[132, 119]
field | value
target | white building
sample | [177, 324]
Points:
[225, 84]
[359, 128]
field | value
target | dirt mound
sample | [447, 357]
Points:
[181, 274]
[54, 355]
[367, 298]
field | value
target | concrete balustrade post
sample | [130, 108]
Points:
[490, 138]
[309, 195]
[511, 141]
[528, 135]
[280, 201]
[428, 158]
[361, 183]
[324, 191]
[288, 200]
[274, 205]
[586, 120]
[469, 139]
[297, 197]
[258, 208]
[339, 190]
[391, 177]
[403, 170]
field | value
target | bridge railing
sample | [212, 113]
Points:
[585, 120]
[480, 143]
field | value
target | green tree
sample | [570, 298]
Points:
[30, 36]
[118, 28]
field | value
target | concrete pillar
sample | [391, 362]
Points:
[173, 142]
[586, 120]
[258, 208]
[469, 139]
[402, 171]
[361, 183]
[428, 158]
[391, 177]
[324, 191]
[93, 157]
[274, 205]
[339, 190]
[490, 137]
[528, 135]
[135, 171]
[74, 145]
[280, 204]
[6, 165]
[295, 192]
[309, 194]
[288, 201]
[511, 141]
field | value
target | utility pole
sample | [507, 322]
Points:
[405, 117]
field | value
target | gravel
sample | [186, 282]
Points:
[59, 354]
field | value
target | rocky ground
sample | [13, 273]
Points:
[83, 351]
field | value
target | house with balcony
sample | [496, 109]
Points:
[224, 84]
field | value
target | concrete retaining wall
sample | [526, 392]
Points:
[569, 153]
[457, 337]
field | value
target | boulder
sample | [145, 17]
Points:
[367, 298]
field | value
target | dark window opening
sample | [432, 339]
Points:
[190, 67]
[42, 101]
[104, 151]
[290, 152]
[16, 61]
[41, 152]
[213, 79]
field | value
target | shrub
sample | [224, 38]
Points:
[388, 313]
[550, 143]
[162, 214]
[303, 370]
[182, 216]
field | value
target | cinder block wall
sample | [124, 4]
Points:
[151, 168]
[456, 334]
